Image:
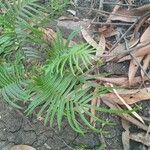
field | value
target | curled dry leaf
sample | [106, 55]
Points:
[108, 31]
[93, 111]
[140, 137]
[124, 15]
[125, 140]
[140, 23]
[121, 81]
[146, 63]
[133, 67]
[130, 96]
[22, 147]
[49, 36]
[130, 15]
[89, 39]
[128, 57]
[125, 135]
[140, 11]
[121, 49]
[146, 35]
[101, 45]
[141, 50]
[113, 12]
[62, 18]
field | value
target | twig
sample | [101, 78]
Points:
[101, 2]
[111, 23]
[124, 34]
[106, 13]
[148, 131]
[128, 106]
[138, 19]
[127, 47]
[110, 3]
[125, 52]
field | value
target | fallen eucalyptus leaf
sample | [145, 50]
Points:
[146, 35]
[101, 45]
[141, 137]
[146, 63]
[125, 135]
[22, 147]
[90, 40]
[133, 67]
[130, 96]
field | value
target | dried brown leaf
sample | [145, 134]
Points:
[121, 81]
[141, 137]
[116, 8]
[49, 36]
[62, 18]
[142, 50]
[125, 135]
[93, 111]
[89, 39]
[146, 35]
[138, 26]
[133, 67]
[140, 11]
[125, 140]
[101, 45]
[146, 63]
[108, 31]
[130, 15]
[22, 147]
[124, 15]
[120, 49]
[125, 58]
[130, 96]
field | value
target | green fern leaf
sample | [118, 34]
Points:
[12, 84]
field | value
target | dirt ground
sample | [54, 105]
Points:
[16, 128]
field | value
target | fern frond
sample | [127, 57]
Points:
[62, 96]
[20, 18]
[12, 84]
[75, 58]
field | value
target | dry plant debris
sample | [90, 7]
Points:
[124, 36]
[22, 147]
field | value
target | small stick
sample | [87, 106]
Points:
[101, 2]
[110, 3]
[127, 46]
[111, 23]
[124, 34]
